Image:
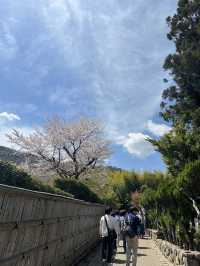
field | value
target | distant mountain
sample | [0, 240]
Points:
[11, 155]
[28, 164]
[114, 168]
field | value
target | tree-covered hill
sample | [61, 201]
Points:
[11, 155]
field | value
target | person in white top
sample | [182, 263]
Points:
[116, 216]
[108, 232]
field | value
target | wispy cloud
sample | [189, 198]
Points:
[84, 57]
[8, 43]
[107, 52]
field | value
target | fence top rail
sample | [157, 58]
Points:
[44, 195]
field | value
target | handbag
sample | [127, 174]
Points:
[111, 233]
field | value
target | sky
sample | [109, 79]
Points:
[93, 58]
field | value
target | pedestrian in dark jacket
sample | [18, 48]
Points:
[133, 222]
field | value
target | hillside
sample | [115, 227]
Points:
[26, 163]
[11, 155]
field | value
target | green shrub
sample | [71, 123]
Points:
[78, 189]
[12, 176]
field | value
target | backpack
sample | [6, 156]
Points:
[129, 228]
[123, 225]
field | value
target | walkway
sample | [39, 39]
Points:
[148, 255]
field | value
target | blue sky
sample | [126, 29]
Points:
[87, 57]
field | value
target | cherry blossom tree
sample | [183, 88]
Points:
[71, 149]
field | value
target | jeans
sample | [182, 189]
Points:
[107, 249]
[131, 250]
[142, 229]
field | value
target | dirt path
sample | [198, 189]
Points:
[148, 255]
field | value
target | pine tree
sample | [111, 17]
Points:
[181, 101]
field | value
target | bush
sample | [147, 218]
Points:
[78, 189]
[12, 176]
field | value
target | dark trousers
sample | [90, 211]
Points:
[107, 249]
[124, 242]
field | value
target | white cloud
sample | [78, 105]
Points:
[136, 144]
[157, 129]
[9, 116]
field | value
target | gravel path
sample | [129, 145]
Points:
[148, 255]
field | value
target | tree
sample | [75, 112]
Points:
[181, 101]
[70, 149]
[169, 211]
[188, 183]
[177, 197]
[120, 183]
[178, 147]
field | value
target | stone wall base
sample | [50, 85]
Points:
[175, 254]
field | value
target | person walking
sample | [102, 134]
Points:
[116, 216]
[143, 222]
[132, 223]
[123, 228]
[108, 233]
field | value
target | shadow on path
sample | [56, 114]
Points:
[120, 252]
[148, 255]
[119, 261]
[144, 248]
[140, 255]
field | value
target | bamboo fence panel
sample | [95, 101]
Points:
[41, 229]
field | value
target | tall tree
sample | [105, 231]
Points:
[176, 200]
[70, 149]
[181, 101]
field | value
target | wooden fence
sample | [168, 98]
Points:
[40, 229]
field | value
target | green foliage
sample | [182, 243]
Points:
[178, 147]
[10, 175]
[112, 186]
[181, 101]
[174, 204]
[120, 183]
[170, 208]
[189, 180]
[78, 189]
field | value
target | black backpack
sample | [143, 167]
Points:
[130, 231]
